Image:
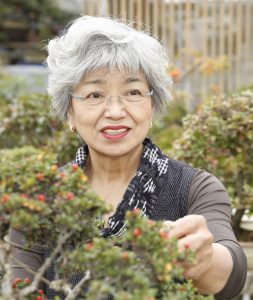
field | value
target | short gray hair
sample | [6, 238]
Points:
[91, 43]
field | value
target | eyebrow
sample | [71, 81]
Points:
[103, 81]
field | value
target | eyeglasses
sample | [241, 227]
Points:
[97, 98]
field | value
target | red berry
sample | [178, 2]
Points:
[41, 197]
[186, 245]
[39, 298]
[40, 176]
[62, 174]
[136, 211]
[27, 280]
[70, 196]
[41, 292]
[15, 282]
[75, 167]
[89, 246]
[137, 232]
[5, 198]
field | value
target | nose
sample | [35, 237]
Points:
[115, 107]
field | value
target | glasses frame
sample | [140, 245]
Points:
[81, 98]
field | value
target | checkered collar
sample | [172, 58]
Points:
[143, 189]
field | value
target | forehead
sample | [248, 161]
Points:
[104, 76]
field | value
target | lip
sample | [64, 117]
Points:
[115, 127]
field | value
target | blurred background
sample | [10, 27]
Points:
[209, 39]
[209, 124]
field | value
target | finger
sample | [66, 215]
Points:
[187, 225]
[196, 271]
[196, 241]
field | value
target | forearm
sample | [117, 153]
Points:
[215, 278]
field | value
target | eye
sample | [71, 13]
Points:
[94, 95]
[134, 93]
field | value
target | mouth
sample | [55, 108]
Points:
[115, 132]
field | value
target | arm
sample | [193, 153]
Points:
[32, 258]
[220, 262]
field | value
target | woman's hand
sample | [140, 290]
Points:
[192, 232]
[212, 260]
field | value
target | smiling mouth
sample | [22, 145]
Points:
[115, 132]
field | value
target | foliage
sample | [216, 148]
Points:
[57, 209]
[25, 119]
[44, 17]
[168, 127]
[219, 138]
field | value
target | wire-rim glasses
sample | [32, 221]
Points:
[96, 98]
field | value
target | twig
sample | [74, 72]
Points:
[76, 290]
[5, 257]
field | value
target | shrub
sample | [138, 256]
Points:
[57, 209]
[219, 138]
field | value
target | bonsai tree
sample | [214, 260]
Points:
[219, 138]
[42, 201]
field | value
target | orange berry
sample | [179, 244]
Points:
[5, 198]
[89, 246]
[125, 255]
[175, 73]
[75, 167]
[164, 234]
[40, 176]
[137, 232]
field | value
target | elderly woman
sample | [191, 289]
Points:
[108, 81]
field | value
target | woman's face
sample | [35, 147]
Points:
[112, 126]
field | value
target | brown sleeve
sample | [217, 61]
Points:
[208, 197]
[32, 258]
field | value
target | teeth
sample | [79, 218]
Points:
[115, 132]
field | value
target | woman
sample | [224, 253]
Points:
[108, 81]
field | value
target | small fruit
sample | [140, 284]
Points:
[175, 73]
[164, 235]
[40, 176]
[137, 232]
[27, 280]
[15, 282]
[70, 196]
[75, 167]
[5, 198]
[89, 246]
[41, 197]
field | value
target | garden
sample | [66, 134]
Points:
[44, 201]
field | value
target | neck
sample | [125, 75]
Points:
[108, 169]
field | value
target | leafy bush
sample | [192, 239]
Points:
[26, 120]
[57, 209]
[219, 138]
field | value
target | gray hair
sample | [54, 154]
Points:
[92, 43]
